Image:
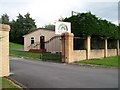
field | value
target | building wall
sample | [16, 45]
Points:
[4, 50]
[27, 38]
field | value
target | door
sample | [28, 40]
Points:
[42, 44]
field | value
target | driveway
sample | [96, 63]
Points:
[38, 74]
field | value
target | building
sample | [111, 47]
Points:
[42, 39]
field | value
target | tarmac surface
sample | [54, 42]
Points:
[38, 74]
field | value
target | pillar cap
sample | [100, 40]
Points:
[4, 27]
[67, 34]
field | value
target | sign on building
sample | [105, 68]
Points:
[62, 27]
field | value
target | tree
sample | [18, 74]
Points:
[21, 26]
[84, 24]
[50, 26]
[4, 19]
[117, 32]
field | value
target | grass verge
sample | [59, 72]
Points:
[109, 61]
[15, 45]
[45, 56]
[7, 84]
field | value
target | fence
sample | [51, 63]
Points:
[89, 52]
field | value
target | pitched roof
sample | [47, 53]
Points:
[40, 29]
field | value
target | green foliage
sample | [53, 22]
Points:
[21, 26]
[4, 19]
[88, 24]
[50, 26]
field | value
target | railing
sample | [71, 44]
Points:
[52, 38]
[36, 45]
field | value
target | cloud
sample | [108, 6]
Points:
[115, 22]
[48, 11]
[105, 10]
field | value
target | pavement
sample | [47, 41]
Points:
[38, 74]
[17, 49]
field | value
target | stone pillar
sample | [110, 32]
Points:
[4, 50]
[67, 47]
[106, 47]
[63, 47]
[88, 47]
[118, 53]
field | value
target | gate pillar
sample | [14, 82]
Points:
[67, 47]
[4, 50]
[118, 53]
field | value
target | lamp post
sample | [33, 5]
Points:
[72, 13]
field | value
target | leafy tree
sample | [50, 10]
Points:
[84, 24]
[4, 19]
[117, 32]
[50, 26]
[21, 26]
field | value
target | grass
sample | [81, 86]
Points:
[7, 84]
[46, 56]
[15, 45]
[109, 61]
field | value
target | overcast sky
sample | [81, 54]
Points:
[49, 11]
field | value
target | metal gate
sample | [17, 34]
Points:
[52, 49]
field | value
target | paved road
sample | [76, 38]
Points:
[17, 49]
[38, 74]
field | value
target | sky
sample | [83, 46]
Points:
[49, 11]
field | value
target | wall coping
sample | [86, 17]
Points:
[68, 34]
[4, 27]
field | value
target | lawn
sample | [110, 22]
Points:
[15, 45]
[109, 61]
[46, 56]
[7, 84]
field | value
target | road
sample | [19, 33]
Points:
[38, 74]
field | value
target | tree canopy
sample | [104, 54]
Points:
[4, 19]
[21, 26]
[50, 26]
[88, 24]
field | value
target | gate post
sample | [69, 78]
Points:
[63, 47]
[4, 50]
[118, 48]
[67, 47]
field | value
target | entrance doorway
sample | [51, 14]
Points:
[42, 42]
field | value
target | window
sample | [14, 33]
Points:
[32, 40]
